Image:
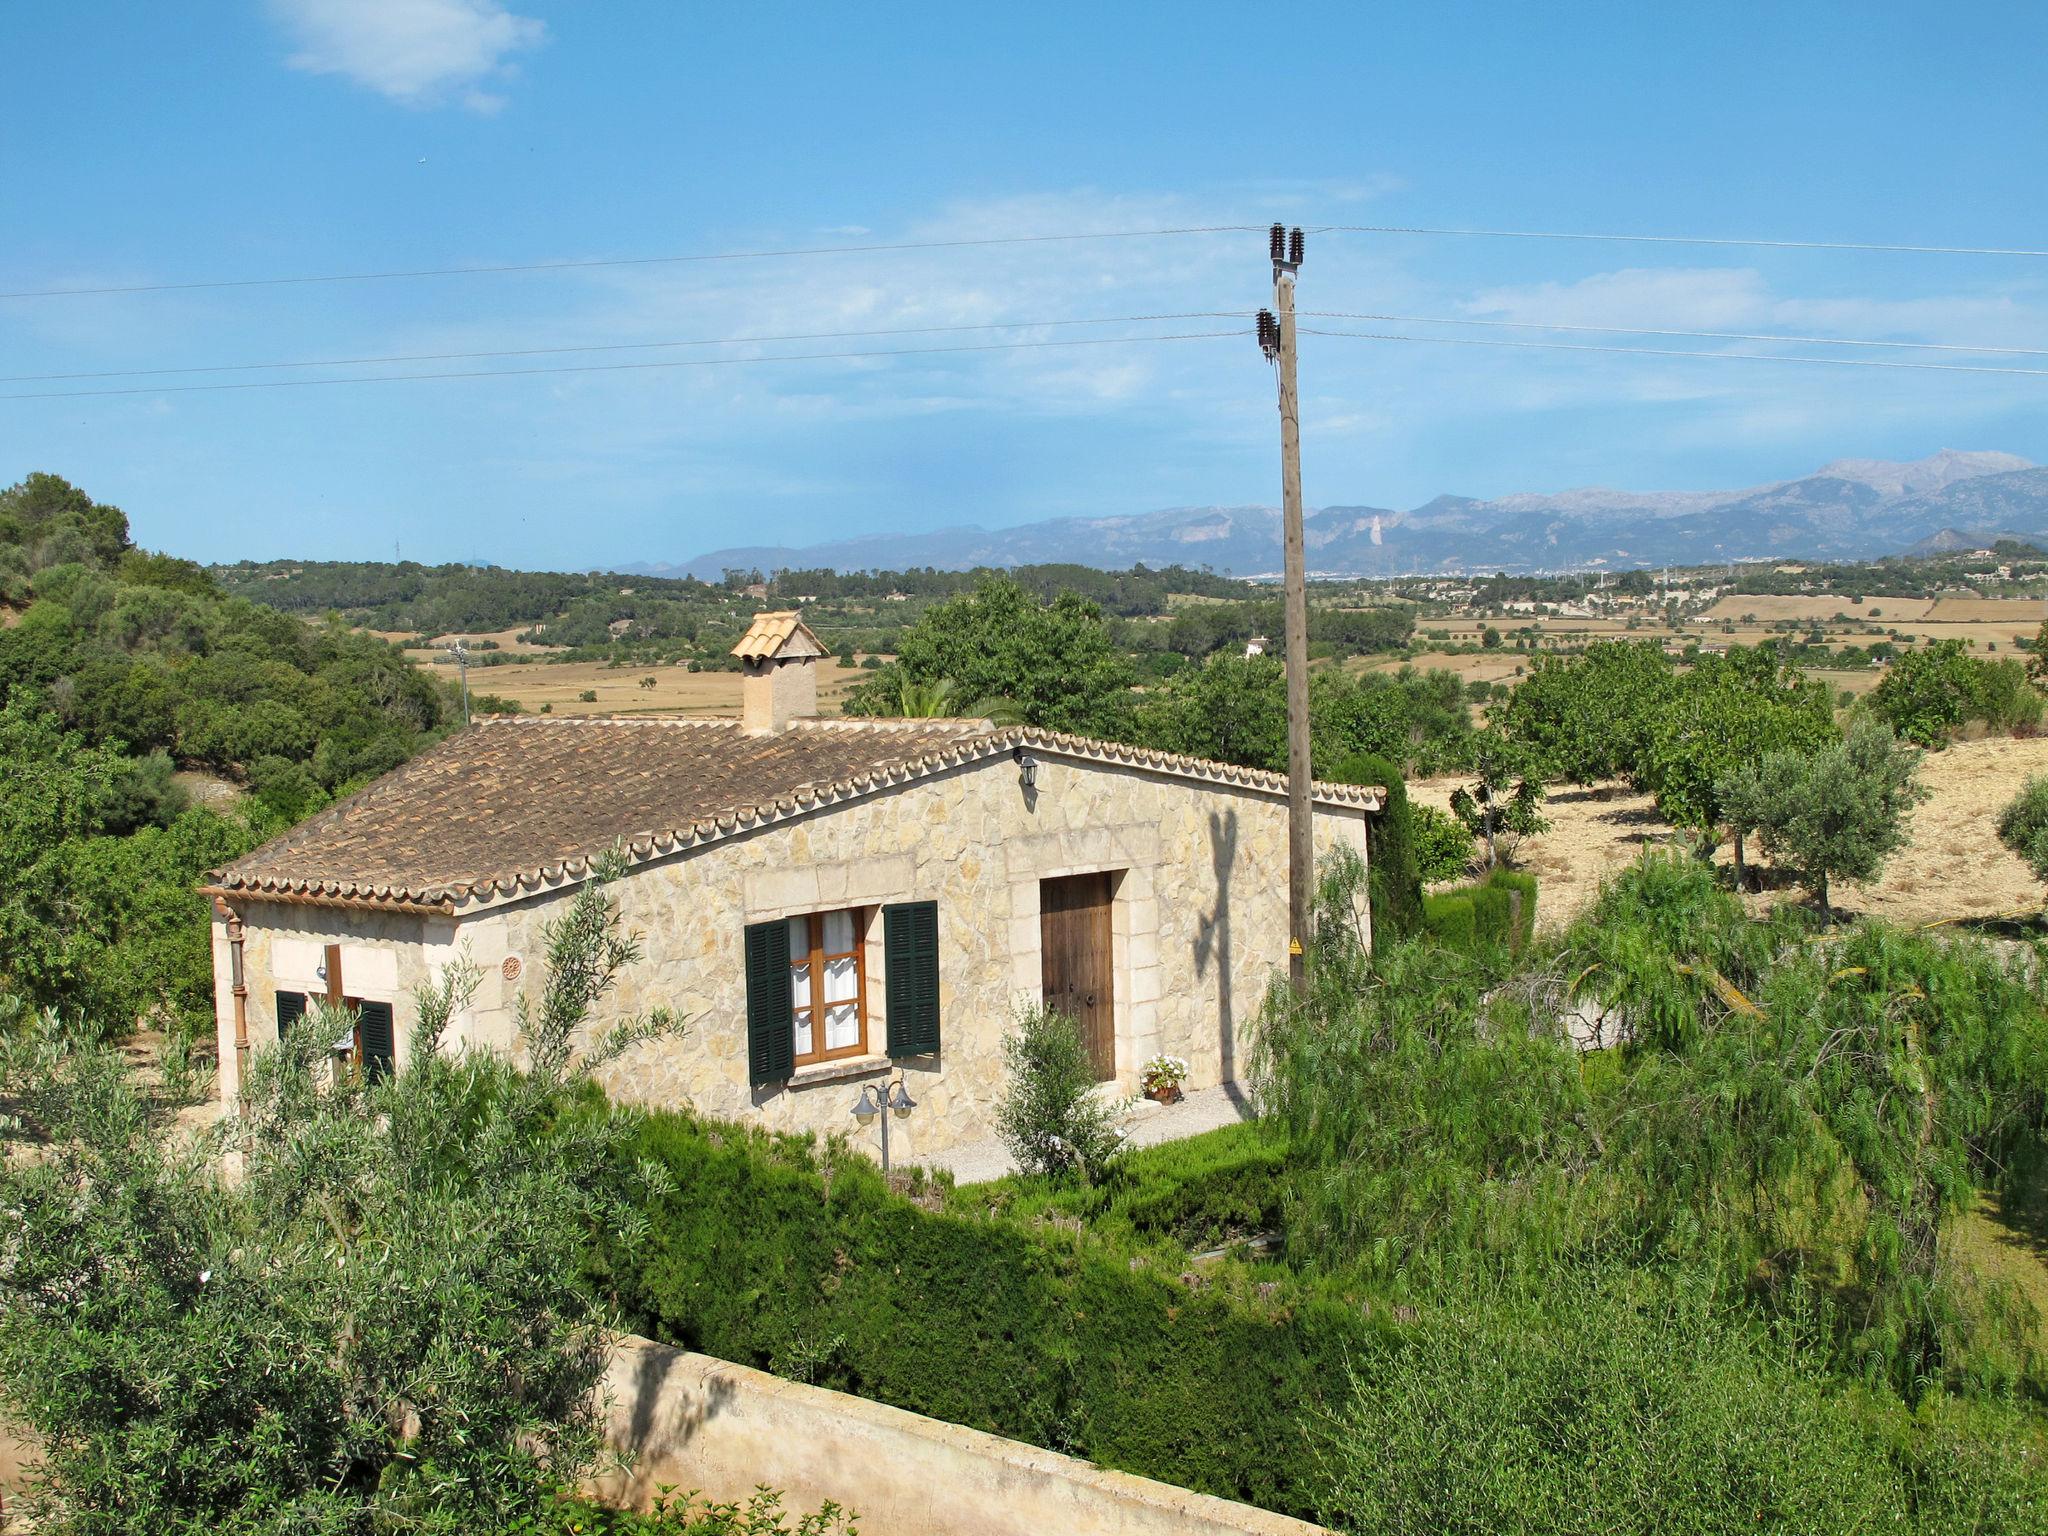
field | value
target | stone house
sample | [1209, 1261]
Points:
[829, 902]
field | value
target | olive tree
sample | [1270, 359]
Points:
[353, 1306]
[1834, 814]
[1727, 713]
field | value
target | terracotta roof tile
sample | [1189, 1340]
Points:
[771, 634]
[521, 803]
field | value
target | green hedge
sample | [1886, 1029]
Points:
[769, 1253]
[1181, 1195]
[1450, 918]
[1519, 881]
[1483, 913]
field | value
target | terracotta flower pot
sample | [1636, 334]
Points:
[1165, 1093]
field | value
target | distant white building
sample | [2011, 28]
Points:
[1256, 646]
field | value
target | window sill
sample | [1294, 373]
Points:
[838, 1071]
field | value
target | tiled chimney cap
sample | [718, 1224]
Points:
[777, 636]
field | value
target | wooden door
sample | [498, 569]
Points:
[1073, 919]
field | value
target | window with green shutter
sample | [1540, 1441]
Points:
[291, 1007]
[374, 1030]
[910, 950]
[771, 1041]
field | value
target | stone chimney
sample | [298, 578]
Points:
[779, 672]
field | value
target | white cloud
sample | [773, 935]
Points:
[1713, 298]
[417, 52]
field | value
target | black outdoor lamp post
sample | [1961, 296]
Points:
[893, 1098]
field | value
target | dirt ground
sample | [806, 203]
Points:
[1953, 867]
[676, 690]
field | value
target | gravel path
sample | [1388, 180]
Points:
[977, 1162]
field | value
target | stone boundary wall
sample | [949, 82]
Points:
[693, 1422]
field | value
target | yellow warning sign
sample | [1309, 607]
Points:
[1294, 946]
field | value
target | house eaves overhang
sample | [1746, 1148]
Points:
[460, 898]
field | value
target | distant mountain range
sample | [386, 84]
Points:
[1850, 509]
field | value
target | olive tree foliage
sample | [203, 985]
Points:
[1834, 814]
[351, 1307]
[1050, 1117]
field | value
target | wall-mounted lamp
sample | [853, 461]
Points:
[1027, 769]
[893, 1097]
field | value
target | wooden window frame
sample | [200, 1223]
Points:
[816, 957]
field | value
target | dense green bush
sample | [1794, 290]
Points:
[1178, 1195]
[2023, 825]
[1443, 844]
[1491, 923]
[1521, 884]
[1613, 1408]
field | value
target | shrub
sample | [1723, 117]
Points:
[587, 696]
[375, 1324]
[1443, 844]
[761, 1515]
[1490, 921]
[2023, 825]
[1051, 1117]
[1656, 1412]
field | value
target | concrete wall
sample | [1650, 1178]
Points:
[695, 1422]
[1198, 923]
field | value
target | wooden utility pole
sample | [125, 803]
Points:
[1276, 336]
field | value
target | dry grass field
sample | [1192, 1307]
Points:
[1892, 610]
[676, 690]
[1955, 867]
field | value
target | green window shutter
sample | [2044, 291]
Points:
[771, 1023]
[291, 1007]
[379, 1052]
[910, 950]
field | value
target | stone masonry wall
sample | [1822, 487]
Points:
[1198, 922]
[1198, 919]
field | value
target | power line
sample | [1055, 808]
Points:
[681, 362]
[1751, 357]
[1625, 330]
[1775, 245]
[618, 346]
[622, 261]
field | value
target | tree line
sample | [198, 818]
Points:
[121, 672]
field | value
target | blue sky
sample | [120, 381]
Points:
[147, 143]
